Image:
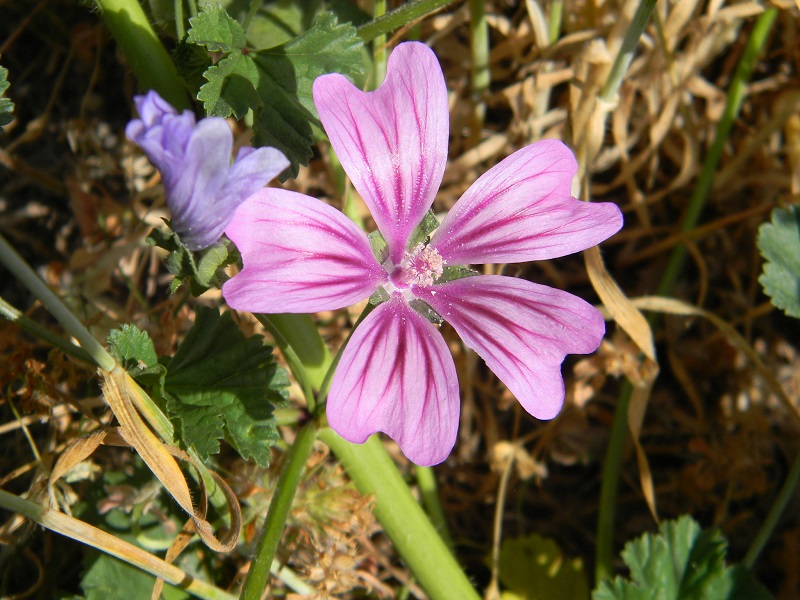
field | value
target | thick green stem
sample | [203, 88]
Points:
[429, 491]
[258, 575]
[301, 334]
[379, 57]
[412, 533]
[786, 493]
[604, 557]
[146, 55]
[400, 17]
[20, 269]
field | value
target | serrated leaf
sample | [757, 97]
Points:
[214, 29]
[533, 568]
[6, 105]
[132, 347]
[681, 562]
[276, 82]
[221, 383]
[231, 87]
[779, 243]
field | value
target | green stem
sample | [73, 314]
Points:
[146, 55]
[786, 493]
[180, 30]
[258, 575]
[378, 46]
[400, 17]
[625, 55]
[554, 20]
[604, 554]
[412, 533]
[110, 544]
[733, 104]
[12, 314]
[294, 362]
[429, 491]
[301, 334]
[481, 76]
[20, 269]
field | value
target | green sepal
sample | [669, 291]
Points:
[456, 272]
[203, 270]
[422, 232]
[380, 249]
[379, 296]
[426, 310]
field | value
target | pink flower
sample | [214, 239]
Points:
[396, 375]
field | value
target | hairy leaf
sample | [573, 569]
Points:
[779, 243]
[681, 562]
[275, 82]
[221, 383]
[6, 105]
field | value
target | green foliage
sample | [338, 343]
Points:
[6, 105]
[275, 82]
[681, 562]
[219, 384]
[779, 243]
[533, 568]
[202, 270]
[108, 578]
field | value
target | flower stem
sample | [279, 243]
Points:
[146, 55]
[378, 46]
[20, 269]
[429, 491]
[301, 334]
[412, 533]
[281, 504]
[604, 553]
[399, 17]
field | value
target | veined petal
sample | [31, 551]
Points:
[391, 142]
[397, 376]
[522, 210]
[300, 256]
[522, 330]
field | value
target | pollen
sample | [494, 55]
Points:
[421, 266]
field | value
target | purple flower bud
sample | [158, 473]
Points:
[203, 188]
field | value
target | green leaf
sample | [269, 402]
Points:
[132, 347]
[533, 568]
[221, 383]
[6, 105]
[216, 30]
[276, 82]
[779, 243]
[108, 578]
[681, 562]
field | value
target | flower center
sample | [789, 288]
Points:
[421, 266]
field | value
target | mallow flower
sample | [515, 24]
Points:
[396, 374]
[202, 187]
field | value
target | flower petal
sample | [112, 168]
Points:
[391, 142]
[396, 375]
[300, 255]
[522, 210]
[522, 330]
